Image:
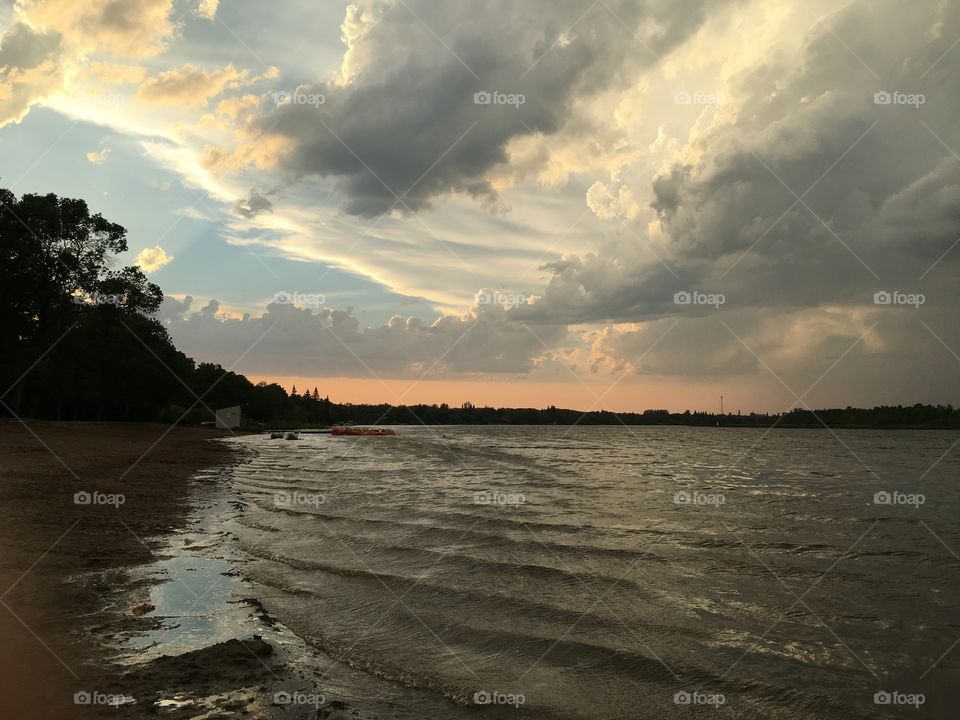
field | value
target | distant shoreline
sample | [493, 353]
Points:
[732, 426]
[884, 417]
[65, 424]
[738, 426]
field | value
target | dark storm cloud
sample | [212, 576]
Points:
[816, 192]
[821, 126]
[421, 65]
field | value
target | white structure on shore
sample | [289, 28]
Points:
[228, 418]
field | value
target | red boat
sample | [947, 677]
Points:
[340, 430]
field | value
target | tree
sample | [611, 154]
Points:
[56, 282]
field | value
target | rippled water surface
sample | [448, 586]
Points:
[560, 564]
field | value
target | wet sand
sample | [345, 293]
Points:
[57, 557]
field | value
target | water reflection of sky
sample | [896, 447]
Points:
[195, 603]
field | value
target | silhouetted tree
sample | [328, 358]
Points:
[64, 314]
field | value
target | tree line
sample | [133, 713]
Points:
[918, 416]
[79, 340]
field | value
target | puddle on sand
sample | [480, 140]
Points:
[198, 596]
[201, 602]
[196, 606]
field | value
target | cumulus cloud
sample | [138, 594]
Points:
[189, 85]
[30, 69]
[804, 191]
[50, 40]
[333, 342]
[862, 354]
[208, 9]
[173, 309]
[608, 201]
[122, 28]
[738, 343]
[99, 157]
[799, 199]
[234, 107]
[151, 259]
[406, 102]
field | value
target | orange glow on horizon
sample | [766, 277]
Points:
[626, 396]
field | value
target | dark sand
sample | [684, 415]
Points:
[50, 547]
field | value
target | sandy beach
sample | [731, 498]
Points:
[59, 554]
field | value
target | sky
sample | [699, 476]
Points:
[619, 205]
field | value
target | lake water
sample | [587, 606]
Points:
[611, 572]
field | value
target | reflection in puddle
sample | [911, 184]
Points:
[195, 605]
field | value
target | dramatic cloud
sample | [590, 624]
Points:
[807, 200]
[808, 189]
[151, 259]
[49, 41]
[426, 86]
[622, 162]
